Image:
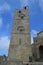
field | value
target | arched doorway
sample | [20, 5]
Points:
[41, 51]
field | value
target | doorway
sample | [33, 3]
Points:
[41, 51]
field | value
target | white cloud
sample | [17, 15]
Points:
[4, 42]
[4, 45]
[31, 40]
[41, 4]
[7, 27]
[24, 2]
[30, 2]
[1, 22]
[4, 7]
[33, 34]
[27, 2]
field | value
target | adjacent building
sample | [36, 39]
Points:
[37, 46]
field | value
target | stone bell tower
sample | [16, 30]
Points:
[20, 45]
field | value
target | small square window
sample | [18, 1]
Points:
[19, 11]
[24, 7]
[22, 17]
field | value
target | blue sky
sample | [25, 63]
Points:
[7, 8]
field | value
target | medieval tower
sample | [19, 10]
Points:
[20, 45]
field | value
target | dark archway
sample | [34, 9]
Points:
[41, 51]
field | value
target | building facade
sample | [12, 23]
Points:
[37, 46]
[20, 45]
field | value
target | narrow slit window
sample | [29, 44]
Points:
[20, 41]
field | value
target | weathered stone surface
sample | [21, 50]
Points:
[14, 62]
[20, 31]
